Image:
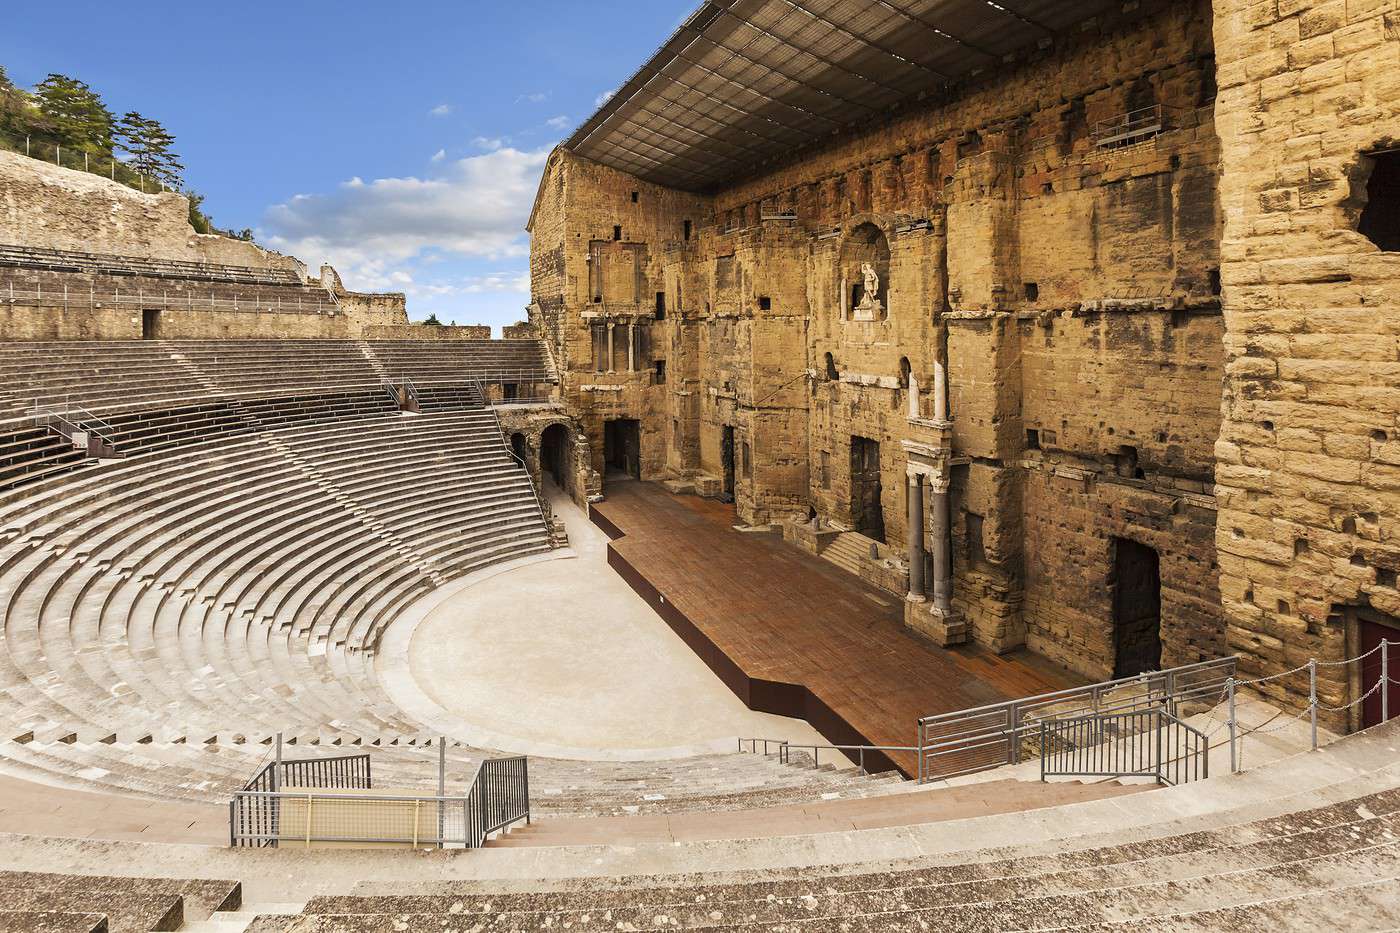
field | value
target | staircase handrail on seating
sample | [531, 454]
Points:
[546, 514]
[76, 418]
[1138, 743]
[785, 747]
[971, 740]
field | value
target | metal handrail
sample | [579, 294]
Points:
[89, 423]
[1142, 743]
[499, 796]
[545, 515]
[972, 732]
[785, 748]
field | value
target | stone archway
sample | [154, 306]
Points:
[555, 447]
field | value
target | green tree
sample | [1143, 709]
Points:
[198, 219]
[73, 114]
[149, 145]
[433, 320]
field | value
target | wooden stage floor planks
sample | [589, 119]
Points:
[793, 634]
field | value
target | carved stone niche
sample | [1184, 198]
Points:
[865, 274]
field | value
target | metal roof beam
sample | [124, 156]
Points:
[918, 20]
[787, 44]
[868, 43]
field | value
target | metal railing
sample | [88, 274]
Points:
[1133, 126]
[75, 418]
[966, 741]
[255, 812]
[1142, 743]
[498, 798]
[546, 513]
[1371, 684]
[784, 750]
[167, 300]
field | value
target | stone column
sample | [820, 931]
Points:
[913, 396]
[631, 348]
[610, 347]
[942, 547]
[916, 538]
[940, 392]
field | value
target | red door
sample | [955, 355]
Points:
[1371, 635]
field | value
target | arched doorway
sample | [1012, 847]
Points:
[554, 454]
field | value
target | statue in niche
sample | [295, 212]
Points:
[869, 307]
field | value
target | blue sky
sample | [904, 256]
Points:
[402, 143]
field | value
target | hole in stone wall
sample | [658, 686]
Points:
[1179, 318]
[617, 233]
[1266, 425]
[1032, 291]
[1370, 518]
[1385, 577]
[1358, 559]
[1283, 607]
[831, 372]
[1125, 463]
[685, 231]
[1380, 218]
[1048, 188]
[1300, 547]
[634, 197]
[1249, 596]
[1348, 526]
[970, 145]
[1216, 288]
[1175, 162]
[1379, 436]
[661, 372]
[1032, 439]
[765, 303]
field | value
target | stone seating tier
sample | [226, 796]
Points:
[31, 257]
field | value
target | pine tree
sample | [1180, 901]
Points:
[149, 145]
[74, 114]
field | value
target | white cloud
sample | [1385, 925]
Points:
[491, 143]
[560, 122]
[372, 231]
[441, 110]
[538, 97]
[439, 155]
[604, 97]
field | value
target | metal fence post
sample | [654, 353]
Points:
[1234, 754]
[1385, 681]
[1013, 753]
[1312, 698]
[1161, 726]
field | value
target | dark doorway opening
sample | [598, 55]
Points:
[726, 459]
[517, 445]
[150, 325]
[1372, 627]
[1137, 608]
[867, 513]
[622, 447]
[1380, 218]
[554, 448]
[510, 391]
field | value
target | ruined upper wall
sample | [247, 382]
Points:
[43, 205]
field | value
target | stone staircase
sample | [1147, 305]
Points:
[849, 550]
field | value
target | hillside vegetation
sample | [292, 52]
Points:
[64, 121]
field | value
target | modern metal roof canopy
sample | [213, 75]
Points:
[743, 81]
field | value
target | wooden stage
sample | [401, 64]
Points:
[793, 634]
